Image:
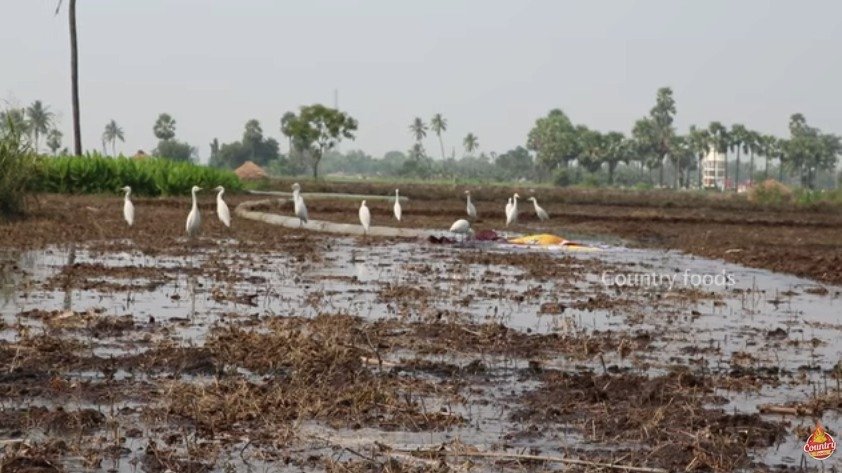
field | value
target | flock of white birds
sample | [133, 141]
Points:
[461, 226]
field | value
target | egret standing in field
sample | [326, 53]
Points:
[194, 219]
[508, 210]
[511, 212]
[461, 227]
[298, 205]
[222, 207]
[398, 211]
[540, 212]
[128, 207]
[472, 211]
[365, 217]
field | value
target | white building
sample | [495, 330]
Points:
[713, 170]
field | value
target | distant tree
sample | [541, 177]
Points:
[175, 150]
[40, 119]
[516, 164]
[318, 129]
[439, 125]
[646, 144]
[286, 120]
[54, 140]
[112, 133]
[739, 142]
[554, 140]
[659, 129]
[699, 142]
[214, 153]
[74, 76]
[471, 143]
[771, 150]
[618, 150]
[720, 139]
[592, 149]
[809, 150]
[164, 128]
[14, 120]
[418, 129]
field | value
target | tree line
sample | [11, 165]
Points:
[556, 149]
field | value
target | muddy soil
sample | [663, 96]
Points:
[257, 347]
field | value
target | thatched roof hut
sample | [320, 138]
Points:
[250, 172]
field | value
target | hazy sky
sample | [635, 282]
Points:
[490, 66]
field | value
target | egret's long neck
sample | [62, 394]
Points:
[195, 205]
[469, 198]
[128, 193]
[535, 202]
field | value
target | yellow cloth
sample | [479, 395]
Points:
[543, 239]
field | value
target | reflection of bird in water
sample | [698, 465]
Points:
[128, 207]
[194, 219]
[222, 208]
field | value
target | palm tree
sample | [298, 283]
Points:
[439, 124]
[54, 140]
[739, 140]
[720, 139]
[471, 143]
[418, 129]
[112, 133]
[699, 142]
[164, 128]
[755, 146]
[40, 120]
[74, 76]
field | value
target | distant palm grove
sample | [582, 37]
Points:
[556, 149]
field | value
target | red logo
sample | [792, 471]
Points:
[820, 445]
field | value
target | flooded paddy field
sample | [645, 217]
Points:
[266, 349]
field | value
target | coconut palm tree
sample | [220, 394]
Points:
[112, 133]
[439, 124]
[418, 129]
[720, 140]
[74, 76]
[699, 142]
[471, 143]
[40, 119]
[739, 140]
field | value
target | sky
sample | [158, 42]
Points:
[491, 67]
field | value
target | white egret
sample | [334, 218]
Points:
[194, 219]
[222, 207]
[511, 211]
[298, 204]
[128, 207]
[398, 211]
[461, 227]
[365, 217]
[472, 211]
[542, 214]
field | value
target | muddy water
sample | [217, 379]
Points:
[701, 313]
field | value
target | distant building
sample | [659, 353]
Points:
[713, 170]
